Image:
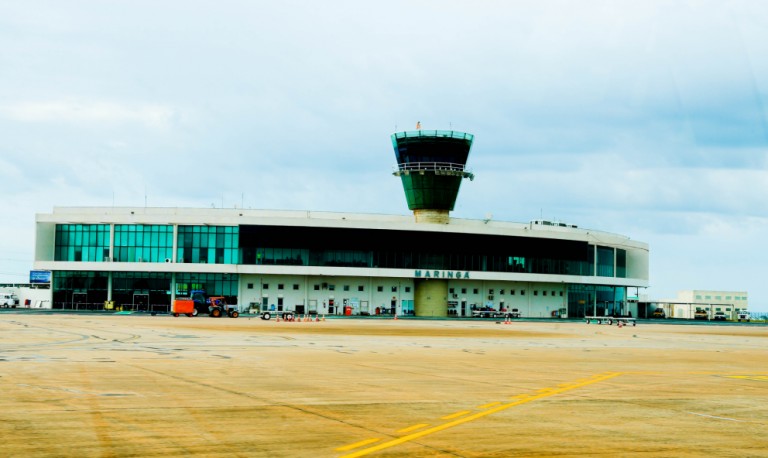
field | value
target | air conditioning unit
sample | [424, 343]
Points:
[167, 259]
[490, 297]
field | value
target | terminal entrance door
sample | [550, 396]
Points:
[79, 300]
[140, 301]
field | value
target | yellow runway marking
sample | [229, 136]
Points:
[475, 416]
[490, 404]
[356, 445]
[454, 415]
[759, 378]
[412, 428]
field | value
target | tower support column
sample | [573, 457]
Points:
[430, 297]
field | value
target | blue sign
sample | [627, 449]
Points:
[39, 276]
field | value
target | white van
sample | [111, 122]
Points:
[7, 300]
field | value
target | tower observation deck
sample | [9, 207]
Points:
[431, 165]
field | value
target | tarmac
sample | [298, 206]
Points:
[106, 385]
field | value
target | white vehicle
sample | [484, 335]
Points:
[7, 300]
[744, 316]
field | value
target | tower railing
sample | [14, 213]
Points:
[439, 168]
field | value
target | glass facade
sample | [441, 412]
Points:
[336, 247]
[604, 261]
[621, 263]
[82, 242]
[143, 243]
[79, 289]
[208, 245]
[210, 284]
[595, 300]
[141, 290]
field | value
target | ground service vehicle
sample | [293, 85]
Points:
[183, 306]
[7, 300]
[218, 307]
[719, 316]
[285, 316]
[700, 314]
[744, 316]
[659, 313]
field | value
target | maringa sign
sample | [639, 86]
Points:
[440, 274]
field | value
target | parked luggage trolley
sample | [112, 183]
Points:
[620, 321]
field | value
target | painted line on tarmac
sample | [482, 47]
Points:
[412, 428]
[456, 415]
[715, 417]
[519, 400]
[490, 404]
[357, 444]
[758, 378]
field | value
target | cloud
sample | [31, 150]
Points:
[86, 112]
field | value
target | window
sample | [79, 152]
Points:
[346, 287]
[316, 287]
[707, 297]
[522, 292]
[331, 287]
[451, 290]
[265, 286]
[535, 292]
[394, 289]
[727, 298]
[605, 257]
[698, 296]
[380, 289]
[360, 288]
[501, 292]
[204, 244]
[280, 301]
[561, 294]
[474, 291]
[407, 289]
[718, 298]
[490, 291]
[250, 285]
[463, 290]
[295, 286]
[84, 243]
[553, 293]
[280, 286]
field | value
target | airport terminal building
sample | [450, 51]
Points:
[425, 264]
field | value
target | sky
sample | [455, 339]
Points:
[643, 118]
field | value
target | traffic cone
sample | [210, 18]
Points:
[278, 318]
[395, 315]
[317, 318]
[323, 318]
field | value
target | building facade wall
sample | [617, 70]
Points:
[153, 255]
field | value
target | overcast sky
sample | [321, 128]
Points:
[644, 118]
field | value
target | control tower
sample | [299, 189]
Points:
[431, 165]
